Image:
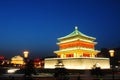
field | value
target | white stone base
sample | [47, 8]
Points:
[78, 63]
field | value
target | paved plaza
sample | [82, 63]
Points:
[70, 77]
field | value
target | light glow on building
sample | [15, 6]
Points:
[76, 44]
[17, 60]
[77, 51]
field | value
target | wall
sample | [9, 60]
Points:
[78, 63]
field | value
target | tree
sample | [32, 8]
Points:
[29, 68]
[61, 74]
[1, 63]
[104, 53]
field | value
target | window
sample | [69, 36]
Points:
[69, 55]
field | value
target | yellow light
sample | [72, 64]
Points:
[12, 70]
[25, 54]
[111, 53]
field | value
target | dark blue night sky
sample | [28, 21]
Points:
[35, 25]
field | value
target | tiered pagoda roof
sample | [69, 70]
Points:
[76, 32]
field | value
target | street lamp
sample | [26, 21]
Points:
[25, 54]
[113, 64]
[111, 53]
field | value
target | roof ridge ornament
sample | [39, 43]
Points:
[76, 30]
[76, 27]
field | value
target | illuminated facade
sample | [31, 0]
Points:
[38, 63]
[76, 45]
[17, 60]
[77, 51]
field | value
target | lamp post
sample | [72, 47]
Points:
[113, 64]
[25, 54]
